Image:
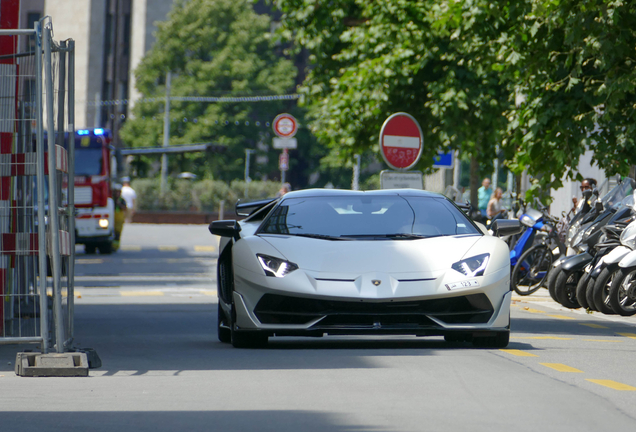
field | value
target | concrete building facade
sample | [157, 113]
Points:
[111, 37]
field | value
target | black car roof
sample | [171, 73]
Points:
[306, 193]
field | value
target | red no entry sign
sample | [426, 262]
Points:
[285, 125]
[401, 141]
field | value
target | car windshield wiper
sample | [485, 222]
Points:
[318, 236]
[406, 236]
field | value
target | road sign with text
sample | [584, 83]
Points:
[401, 141]
[285, 125]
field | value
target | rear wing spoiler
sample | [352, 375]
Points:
[249, 208]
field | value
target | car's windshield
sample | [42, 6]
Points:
[368, 216]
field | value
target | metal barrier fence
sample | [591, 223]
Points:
[36, 189]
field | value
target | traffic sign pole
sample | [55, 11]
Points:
[283, 164]
[285, 126]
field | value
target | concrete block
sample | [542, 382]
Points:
[72, 364]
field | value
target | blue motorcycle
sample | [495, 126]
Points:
[532, 255]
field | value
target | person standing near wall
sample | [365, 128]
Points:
[130, 196]
[484, 193]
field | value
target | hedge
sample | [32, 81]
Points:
[198, 195]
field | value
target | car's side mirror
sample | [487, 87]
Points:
[506, 227]
[225, 228]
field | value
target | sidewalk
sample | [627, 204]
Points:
[542, 297]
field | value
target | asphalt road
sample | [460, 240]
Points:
[149, 311]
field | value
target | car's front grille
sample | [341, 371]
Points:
[278, 309]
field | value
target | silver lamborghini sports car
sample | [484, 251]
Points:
[337, 262]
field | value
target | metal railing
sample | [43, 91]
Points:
[36, 196]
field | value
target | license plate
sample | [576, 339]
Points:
[463, 284]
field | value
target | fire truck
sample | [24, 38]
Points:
[95, 208]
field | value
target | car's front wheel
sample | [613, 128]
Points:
[499, 339]
[223, 330]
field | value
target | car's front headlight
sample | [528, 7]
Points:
[474, 266]
[276, 267]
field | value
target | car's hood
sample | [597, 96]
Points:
[360, 256]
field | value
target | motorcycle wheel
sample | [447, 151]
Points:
[531, 270]
[581, 288]
[601, 289]
[551, 281]
[589, 294]
[565, 288]
[622, 294]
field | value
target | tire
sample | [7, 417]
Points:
[531, 270]
[589, 294]
[601, 289]
[499, 339]
[581, 288]
[90, 249]
[565, 288]
[105, 248]
[551, 280]
[222, 329]
[622, 294]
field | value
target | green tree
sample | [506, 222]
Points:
[212, 48]
[371, 59]
[573, 66]
[546, 80]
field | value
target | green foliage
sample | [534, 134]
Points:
[203, 195]
[371, 59]
[544, 79]
[576, 72]
[212, 48]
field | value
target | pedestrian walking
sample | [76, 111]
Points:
[495, 209]
[130, 196]
[483, 195]
[285, 187]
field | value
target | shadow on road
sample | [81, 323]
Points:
[137, 338]
[152, 421]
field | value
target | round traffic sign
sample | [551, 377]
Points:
[285, 125]
[401, 141]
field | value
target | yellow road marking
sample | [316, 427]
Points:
[527, 309]
[141, 293]
[601, 340]
[89, 261]
[628, 335]
[519, 353]
[542, 337]
[168, 248]
[593, 325]
[135, 260]
[205, 248]
[612, 384]
[208, 292]
[559, 367]
[130, 248]
[561, 317]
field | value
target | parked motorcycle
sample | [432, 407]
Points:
[531, 258]
[596, 234]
